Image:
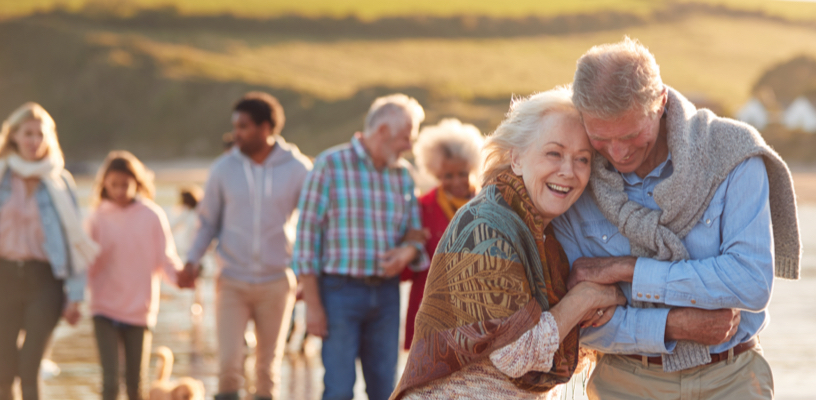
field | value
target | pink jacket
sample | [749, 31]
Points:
[137, 249]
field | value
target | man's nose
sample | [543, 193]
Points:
[617, 151]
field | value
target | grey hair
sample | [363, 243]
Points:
[520, 128]
[448, 139]
[612, 79]
[393, 110]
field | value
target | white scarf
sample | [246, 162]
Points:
[82, 249]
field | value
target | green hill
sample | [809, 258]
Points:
[161, 84]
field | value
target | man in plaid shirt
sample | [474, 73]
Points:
[358, 216]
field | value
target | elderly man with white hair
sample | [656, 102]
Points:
[358, 217]
[693, 215]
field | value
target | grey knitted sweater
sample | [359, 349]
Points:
[704, 148]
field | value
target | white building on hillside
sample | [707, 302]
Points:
[754, 113]
[801, 115]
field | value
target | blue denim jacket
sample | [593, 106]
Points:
[731, 263]
[56, 243]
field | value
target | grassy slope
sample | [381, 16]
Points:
[714, 56]
[373, 9]
[166, 92]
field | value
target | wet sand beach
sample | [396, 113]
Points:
[789, 341]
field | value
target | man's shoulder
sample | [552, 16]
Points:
[223, 162]
[334, 153]
[584, 209]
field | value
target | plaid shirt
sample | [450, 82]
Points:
[350, 213]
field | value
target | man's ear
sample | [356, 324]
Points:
[515, 162]
[384, 131]
[267, 128]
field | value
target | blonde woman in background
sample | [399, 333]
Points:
[44, 251]
[448, 153]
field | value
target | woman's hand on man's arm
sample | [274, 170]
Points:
[582, 300]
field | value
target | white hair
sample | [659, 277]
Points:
[393, 110]
[449, 139]
[612, 79]
[521, 127]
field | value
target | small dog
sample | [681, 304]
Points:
[182, 389]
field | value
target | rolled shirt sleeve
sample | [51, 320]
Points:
[421, 262]
[313, 203]
[741, 275]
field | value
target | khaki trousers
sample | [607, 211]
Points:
[748, 376]
[269, 305]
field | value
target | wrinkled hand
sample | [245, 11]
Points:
[395, 260]
[186, 278]
[594, 320]
[597, 297]
[316, 321]
[603, 270]
[71, 313]
[417, 235]
[710, 327]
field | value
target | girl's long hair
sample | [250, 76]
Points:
[125, 162]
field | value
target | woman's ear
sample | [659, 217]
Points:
[515, 162]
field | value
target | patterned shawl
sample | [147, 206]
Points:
[491, 277]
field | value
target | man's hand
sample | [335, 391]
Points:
[186, 278]
[316, 321]
[593, 319]
[315, 314]
[396, 259]
[709, 327]
[417, 235]
[71, 313]
[603, 270]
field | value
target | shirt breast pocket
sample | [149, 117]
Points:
[705, 238]
[603, 238]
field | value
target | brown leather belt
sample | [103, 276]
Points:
[715, 357]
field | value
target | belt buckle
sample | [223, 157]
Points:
[372, 280]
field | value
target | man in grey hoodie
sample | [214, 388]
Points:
[250, 197]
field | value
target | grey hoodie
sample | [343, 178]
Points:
[247, 206]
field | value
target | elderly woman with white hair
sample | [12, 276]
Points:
[448, 153]
[43, 249]
[496, 320]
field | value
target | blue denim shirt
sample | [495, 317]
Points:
[731, 264]
[56, 244]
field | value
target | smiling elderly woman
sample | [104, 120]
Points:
[450, 153]
[496, 319]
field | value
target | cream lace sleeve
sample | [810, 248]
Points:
[533, 351]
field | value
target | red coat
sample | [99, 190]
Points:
[435, 221]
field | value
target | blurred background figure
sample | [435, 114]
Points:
[449, 153]
[44, 251]
[137, 251]
[227, 141]
[250, 196]
[359, 219]
[185, 222]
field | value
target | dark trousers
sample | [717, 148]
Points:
[136, 341]
[32, 302]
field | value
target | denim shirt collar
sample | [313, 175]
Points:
[662, 171]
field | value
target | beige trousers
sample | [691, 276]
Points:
[269, 305]
[747, 377]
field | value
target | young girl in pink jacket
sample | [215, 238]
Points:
[137, 249]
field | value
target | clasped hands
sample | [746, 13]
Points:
[186, 278]
[709, 327]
